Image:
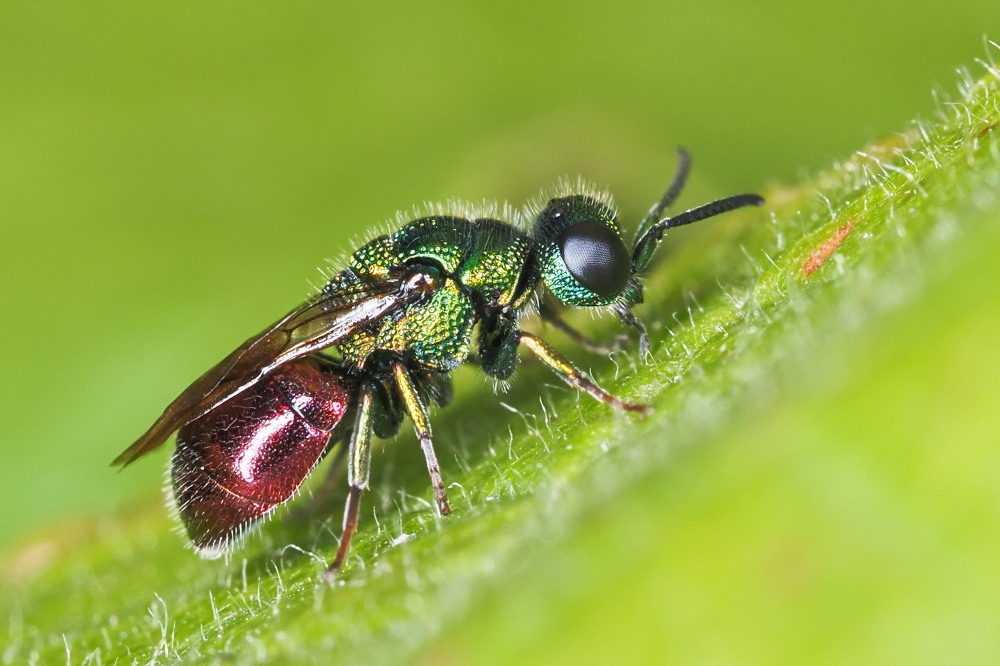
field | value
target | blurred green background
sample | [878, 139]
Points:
[171, 175]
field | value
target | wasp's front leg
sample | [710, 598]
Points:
[549, 314]
[574, 376]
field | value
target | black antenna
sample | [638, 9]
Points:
[646, 243]
[708, 210]
[655, 213]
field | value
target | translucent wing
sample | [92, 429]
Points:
[317, 324]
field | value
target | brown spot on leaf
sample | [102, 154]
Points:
[823, 252]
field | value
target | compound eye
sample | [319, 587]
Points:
[595, 255]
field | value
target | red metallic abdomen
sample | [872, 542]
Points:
[239, 461]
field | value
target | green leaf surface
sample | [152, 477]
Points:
[817, 483]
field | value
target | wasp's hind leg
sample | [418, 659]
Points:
[574, 376]
[416, 409]
[359, 453]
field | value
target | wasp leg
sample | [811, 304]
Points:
[359, 455]
[549, 314]
[417, 411]
[629, 320]
[574, 376]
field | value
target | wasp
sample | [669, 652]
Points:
[379, 341]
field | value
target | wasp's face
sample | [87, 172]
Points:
[582, 257]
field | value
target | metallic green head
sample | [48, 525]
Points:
[581, 255]
[582, 259]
